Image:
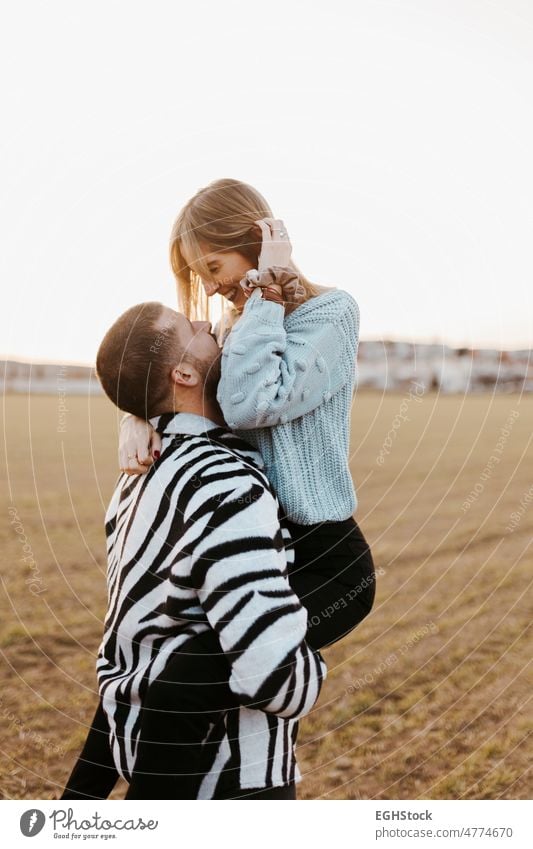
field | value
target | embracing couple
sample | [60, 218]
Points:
[233, 556]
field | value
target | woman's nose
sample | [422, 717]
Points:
[210, 287]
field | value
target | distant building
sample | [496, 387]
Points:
[395, 366]
[48, 379]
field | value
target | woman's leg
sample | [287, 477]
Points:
[334, 578]
[94, 774]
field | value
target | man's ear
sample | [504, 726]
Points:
[184, 375]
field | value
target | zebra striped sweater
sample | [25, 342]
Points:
[197, 544]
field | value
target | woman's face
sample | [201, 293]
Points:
[226, 271]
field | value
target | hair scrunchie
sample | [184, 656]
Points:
[292, 290]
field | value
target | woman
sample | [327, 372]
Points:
[288, 374]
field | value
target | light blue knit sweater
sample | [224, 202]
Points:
[286, 386]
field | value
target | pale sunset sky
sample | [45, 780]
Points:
[393, 138]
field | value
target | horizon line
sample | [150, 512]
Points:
[20, 358]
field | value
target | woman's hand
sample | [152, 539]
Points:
[276, 248]
[138, 446]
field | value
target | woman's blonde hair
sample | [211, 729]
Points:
[220, 216]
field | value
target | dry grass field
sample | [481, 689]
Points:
[429, 698]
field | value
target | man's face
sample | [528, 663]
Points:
[195, 339]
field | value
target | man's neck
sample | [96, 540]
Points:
[209, 410]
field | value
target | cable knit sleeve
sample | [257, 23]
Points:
[271, 375]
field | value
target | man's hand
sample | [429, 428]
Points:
[139, 445]
[276, 248]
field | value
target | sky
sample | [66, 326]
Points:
[393, 138]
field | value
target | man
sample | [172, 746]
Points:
[201, 617]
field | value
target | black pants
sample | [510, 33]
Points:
[333, 575]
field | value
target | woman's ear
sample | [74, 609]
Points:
[256, 234]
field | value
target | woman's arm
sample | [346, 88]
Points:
[138, 445]
[271, 375]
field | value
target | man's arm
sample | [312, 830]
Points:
[239, 570]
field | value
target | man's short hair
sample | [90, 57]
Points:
[135, 358]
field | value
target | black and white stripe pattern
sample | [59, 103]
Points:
[196, 544]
